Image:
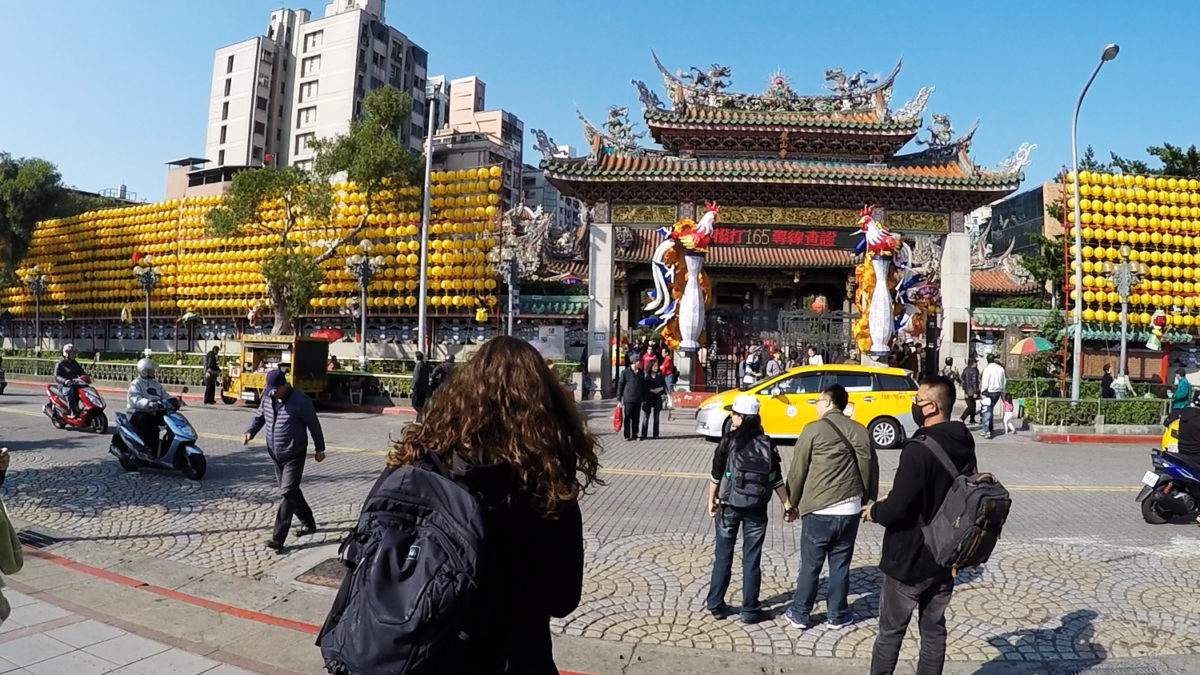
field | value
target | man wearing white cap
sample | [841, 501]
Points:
[745, 471]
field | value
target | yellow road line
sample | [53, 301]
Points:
[885, 484]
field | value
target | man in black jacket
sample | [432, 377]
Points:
[913, 579]
[212, 373]
[420, 386]
[629, 395]
[66, 373]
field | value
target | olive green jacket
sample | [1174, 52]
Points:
[824, 472]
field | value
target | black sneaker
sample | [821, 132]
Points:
[305, 530]
[274, 545]
[722, 612]
[754, 616]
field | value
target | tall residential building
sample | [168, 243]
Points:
[563, 210]
[306, 79]
[472, 136]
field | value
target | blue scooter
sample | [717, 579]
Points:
[179, 451]
[1171, 489]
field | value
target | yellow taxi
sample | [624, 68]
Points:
[880, 399]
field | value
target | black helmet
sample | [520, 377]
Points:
[1196, 399]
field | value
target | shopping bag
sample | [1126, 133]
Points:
[617, 418]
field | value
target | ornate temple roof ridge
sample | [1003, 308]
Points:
[849, 93]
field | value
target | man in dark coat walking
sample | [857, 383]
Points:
[630, 395]
[420, 386]
[212, 373]
[289, 418]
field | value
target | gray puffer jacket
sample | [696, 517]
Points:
[288, 424]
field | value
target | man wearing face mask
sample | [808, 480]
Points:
[913, 579]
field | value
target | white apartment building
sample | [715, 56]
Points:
[535, 191]
[305, 79]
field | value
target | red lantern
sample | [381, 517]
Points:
[818, 305]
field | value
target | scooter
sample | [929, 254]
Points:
[176, 448]
[91, 407]
[1171, 489]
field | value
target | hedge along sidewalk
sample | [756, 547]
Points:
[1132, 420]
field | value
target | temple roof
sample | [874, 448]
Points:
[999, 282]
[644, 241]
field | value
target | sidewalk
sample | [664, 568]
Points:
[43, 637]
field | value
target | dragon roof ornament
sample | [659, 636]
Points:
[854, 92]
[1017, 161]
[618, 134]
[912, 110]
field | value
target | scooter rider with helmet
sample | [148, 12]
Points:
[66, 374]
[1189, 430]
[147, 405]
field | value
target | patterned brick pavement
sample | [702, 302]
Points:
[1078, 575]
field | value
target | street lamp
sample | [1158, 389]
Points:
[37, 286]
[1124, 275]
[1109, 53]
[422, 274]
[364, 268]
[147, 275]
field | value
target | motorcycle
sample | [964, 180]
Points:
[1171, 489]
[91, 407]
[176, 448]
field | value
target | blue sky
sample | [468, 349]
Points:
[110, 90]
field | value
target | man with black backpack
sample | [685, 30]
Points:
[745, 472]
[834, 472]
[935, 467]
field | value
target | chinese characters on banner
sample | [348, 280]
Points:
[784, 237]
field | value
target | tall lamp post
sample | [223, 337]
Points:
[364, 268]
[147, 275]
[423, 269]
[1109, 53]
[37, 286]
[1124, 275]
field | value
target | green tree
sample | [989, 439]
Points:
[1089, 162]
[30, 190]
[369, 155]
[1046, 265]
[1176, 162]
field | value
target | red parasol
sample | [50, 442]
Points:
[328, 334]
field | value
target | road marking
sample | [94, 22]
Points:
[883, 484]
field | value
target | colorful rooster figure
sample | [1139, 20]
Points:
[874, 329]
[681, 288]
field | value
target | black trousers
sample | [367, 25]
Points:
[291, 499]
[969, 413]
[650, 411]
[631, 414]
[146, 425]
[210, 388]
[897, 600]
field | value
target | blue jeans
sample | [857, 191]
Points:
[824, 537]
[754, 529]
[990, 399]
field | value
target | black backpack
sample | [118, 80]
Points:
[748, 477]
[417, 598]
[967, 525]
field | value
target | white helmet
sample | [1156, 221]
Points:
[145, 369]
[68, 350]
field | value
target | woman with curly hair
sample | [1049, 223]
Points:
[506, 428]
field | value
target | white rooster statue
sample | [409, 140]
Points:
[681, 288]
[874, 329]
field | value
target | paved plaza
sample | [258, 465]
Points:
[1079, 581]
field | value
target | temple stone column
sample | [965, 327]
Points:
[601, 300]
[956, 290]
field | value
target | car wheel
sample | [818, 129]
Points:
[886, 433]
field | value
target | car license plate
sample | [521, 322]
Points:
[1150, 479]
[247, 396]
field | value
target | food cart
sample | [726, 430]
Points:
[303, 360]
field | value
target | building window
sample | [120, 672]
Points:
[313, 40]
[302, 141]
[229, 64]
[228, 85]
[310, 66]
[223, 130]
[256, 154]
[220, 158]
[261, 104]
[306, 117]
[417, 132]
[308, 90]
[304, 165]
[260, 128]
[225, 110]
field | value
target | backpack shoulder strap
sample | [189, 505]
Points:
[845, 441]
[939, 453]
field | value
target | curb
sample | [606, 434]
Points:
[1098, 438]
[222, 608]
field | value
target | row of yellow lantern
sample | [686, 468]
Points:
[1134, 318]
[1180, 209]
[1115, 180]
[1139, 236]
[473, 174]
